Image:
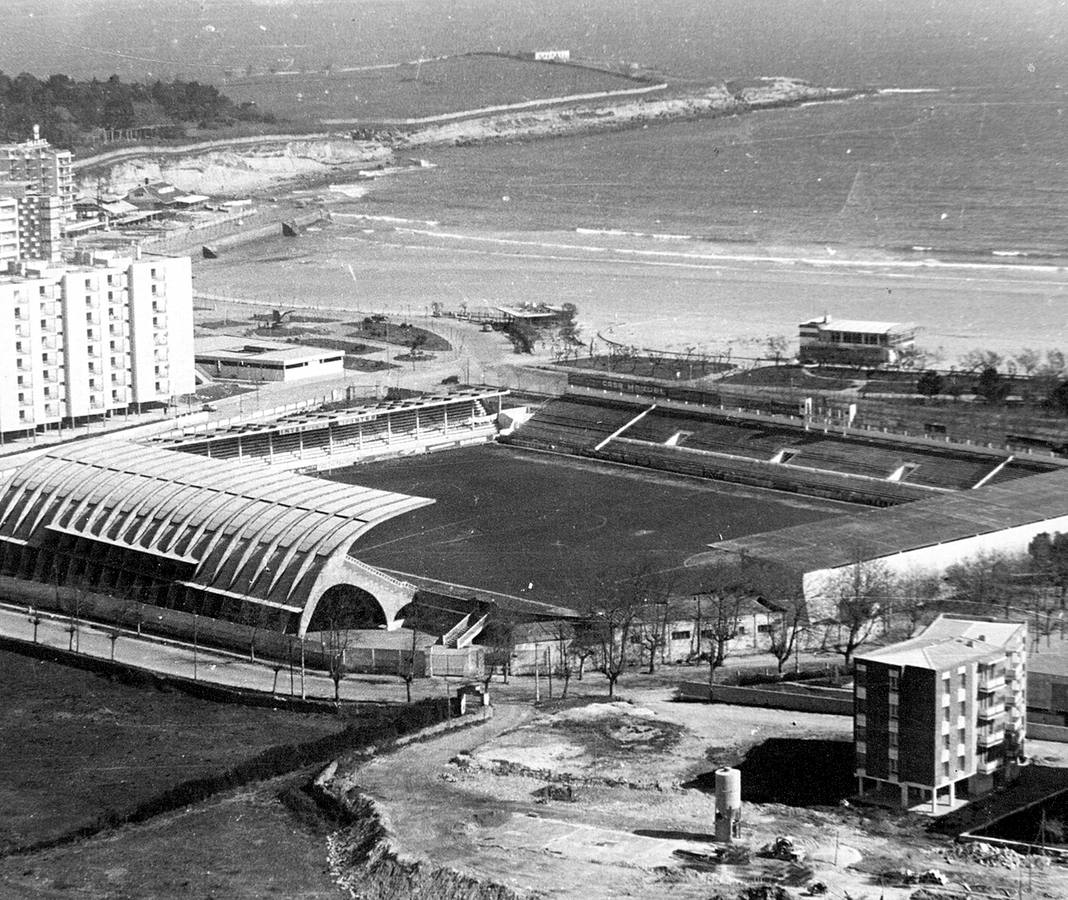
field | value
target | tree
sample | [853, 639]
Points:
[1049, 558]
[522, 334]
[856, 595]
[652, 630]
[991, 386]
[721, 624]
[777, 345]
[416, 342]
[977, 360]
[786, 632]
[583, 646]
[498, 637]
[409, 671]
[1028, 360]
[929, 384]
[910, 603]
[985, 578]
[563, 637]
[616, 613]
[335, 638]
[1057, 397]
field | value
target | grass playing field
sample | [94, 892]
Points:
[557, 529]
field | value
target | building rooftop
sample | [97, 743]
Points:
[259, 351]
[860, 325]
[936, 653]
[924, 523]
[998, 634]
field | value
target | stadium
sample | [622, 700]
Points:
[435, 510]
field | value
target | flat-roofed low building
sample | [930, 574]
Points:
[943, 716]
[256, 360]
[853, 341]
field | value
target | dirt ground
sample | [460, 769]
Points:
[494, 802]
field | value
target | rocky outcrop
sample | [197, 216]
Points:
[241, 166]
[233, 170]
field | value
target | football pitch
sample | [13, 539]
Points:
[558, 529]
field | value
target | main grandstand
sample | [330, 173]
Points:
[219, 538]
[325, 439]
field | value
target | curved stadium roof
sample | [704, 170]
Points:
[248, 531]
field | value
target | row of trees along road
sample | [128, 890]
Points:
[629, 625]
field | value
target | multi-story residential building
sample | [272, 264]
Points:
[31, 224]
[10, 240]
[106, 335]
[942, 717]
[48, 171]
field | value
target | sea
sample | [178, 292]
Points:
[957, 156]
[961, 152]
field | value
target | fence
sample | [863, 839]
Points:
[257, 643]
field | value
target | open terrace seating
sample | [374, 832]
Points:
[572, 425]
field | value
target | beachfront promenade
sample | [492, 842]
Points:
[184, 662]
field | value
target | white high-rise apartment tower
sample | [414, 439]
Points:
[102, 336]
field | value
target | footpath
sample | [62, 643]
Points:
[186, 662]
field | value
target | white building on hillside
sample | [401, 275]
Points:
[106, 335]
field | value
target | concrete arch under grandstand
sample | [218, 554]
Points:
[223, 539]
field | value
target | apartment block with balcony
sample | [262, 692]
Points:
[48, 170]
[941, 717]
[86, 340]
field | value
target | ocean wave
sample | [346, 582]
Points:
[910, 90]
[389, 220]
[618, 232]
[705, 260]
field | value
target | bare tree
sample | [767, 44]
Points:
[616, 615]
[563, 637]
[911, 602]
[976, 360]
[722, 623]
[857, 594]
[409, 672]
[652, 630]
[583, 647]
[498, 637]
[786, 632]
[986, 578]
[776, 346]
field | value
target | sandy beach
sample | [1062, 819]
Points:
[651, 291]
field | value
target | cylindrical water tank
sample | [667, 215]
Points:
[728, 789]
[728, 804]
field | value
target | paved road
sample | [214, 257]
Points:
[181, 660]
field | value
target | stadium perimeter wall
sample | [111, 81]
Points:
[831, 701]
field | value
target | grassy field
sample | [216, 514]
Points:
[415, 91]
[243, 846]
[554, 529]
[79, 749]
